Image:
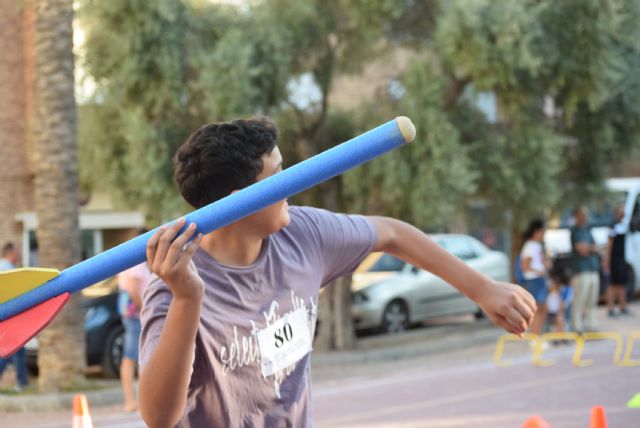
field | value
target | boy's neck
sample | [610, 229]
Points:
[232, 247]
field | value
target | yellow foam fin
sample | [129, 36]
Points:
[16, 282]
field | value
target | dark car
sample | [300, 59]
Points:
[104, 333]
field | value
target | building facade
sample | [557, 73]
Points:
[16, 109]
[102, 226]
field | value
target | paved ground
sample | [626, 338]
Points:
[475, 393]
[444, 377]
[463, 388]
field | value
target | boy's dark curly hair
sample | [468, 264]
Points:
[221, 157]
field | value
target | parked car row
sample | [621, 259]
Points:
[389, 295]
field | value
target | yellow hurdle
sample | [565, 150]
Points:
[497, 356]
[580, 341]
[627, 361]
[597, 336]
[564, 335]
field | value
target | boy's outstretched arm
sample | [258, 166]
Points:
[164, 382]
[507, 305]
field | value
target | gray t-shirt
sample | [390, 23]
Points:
[227, 388]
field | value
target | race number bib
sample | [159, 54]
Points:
[285, 342]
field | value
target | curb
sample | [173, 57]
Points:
[58, 401]
[410, 345]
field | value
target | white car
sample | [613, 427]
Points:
[390, 295]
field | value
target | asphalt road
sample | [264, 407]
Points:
[478, 394]
[444, 377]
[463, 388]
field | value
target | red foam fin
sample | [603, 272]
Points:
[16, 331]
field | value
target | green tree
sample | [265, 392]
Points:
[163, 69]
[564, 76]
[426, 182]
[561, 86]
[532, 56]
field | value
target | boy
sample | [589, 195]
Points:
[227, 319]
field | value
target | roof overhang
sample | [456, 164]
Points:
[93, 220]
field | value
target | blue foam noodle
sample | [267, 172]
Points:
[289, 182]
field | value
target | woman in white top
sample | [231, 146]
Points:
[534, 269]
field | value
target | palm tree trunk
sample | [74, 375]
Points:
[62, 345]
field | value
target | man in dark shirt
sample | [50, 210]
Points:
[615, 263]
[586, 277]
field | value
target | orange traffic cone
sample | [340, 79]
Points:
[81, 417]
[598, 419]
[535, 422]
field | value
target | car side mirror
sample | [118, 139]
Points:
[414, 269]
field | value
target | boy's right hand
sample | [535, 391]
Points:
[172, 260]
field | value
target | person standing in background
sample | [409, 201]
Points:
[586, 276]
[555, 307]
[616, 265]
[534, 270]
[131, 283]
[10, 259]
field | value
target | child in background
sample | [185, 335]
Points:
[566, 291]
[555, 307]
[131, 283]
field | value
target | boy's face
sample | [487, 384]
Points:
[275, 217]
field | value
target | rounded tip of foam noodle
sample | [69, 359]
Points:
[406, 127]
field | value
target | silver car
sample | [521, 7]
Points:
[389, 294]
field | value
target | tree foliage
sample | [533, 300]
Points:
[580, 59]
[426, 181]
[163, 69]
[565, 77]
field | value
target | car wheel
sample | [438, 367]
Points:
[112, 353]
[395, 318]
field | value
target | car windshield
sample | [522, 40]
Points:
[600, 210]
[459, 247]
[387, 263]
